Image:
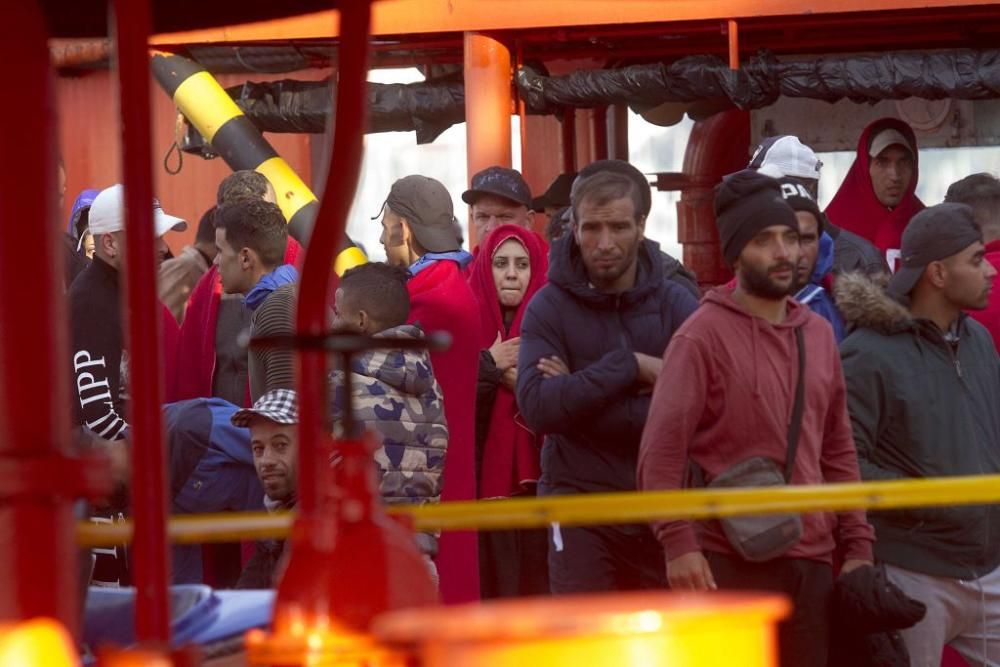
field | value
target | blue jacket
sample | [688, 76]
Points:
[815, 295]
[593, 418]
[211, 464]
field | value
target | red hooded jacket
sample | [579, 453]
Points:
[196, 342]
[511, 452]
[440, 300]
[856, 208]
[733, 401]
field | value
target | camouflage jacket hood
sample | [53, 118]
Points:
[396, 396]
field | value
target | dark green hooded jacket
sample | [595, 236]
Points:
[922, 408]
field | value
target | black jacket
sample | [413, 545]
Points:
[592, 418]
[98, 361]
[921, 408]
[853, 253]
[680, 274]
[868, 612]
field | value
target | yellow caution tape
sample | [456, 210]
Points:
[594, 509]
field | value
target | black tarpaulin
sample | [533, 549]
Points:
[428, 107]
[966, 74]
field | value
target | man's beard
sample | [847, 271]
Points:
[759, 283]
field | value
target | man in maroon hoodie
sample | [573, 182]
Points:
[737, 362]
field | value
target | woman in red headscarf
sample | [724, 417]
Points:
[510, 267]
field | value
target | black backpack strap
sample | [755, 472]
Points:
[795, 425]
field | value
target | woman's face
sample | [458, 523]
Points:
[88, 245]
[511, 273]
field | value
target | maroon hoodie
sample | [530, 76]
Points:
[725, 394]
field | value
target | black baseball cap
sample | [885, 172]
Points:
[427, 207]
[557, 194]
[500, 182]
[936, 233]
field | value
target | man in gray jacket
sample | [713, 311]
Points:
[923, 383]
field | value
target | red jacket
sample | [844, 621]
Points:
[440, 300]
[856, 208]
[990, 316]
[725, 394]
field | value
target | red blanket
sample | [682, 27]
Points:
[440, 300]
[511, 451]
[856, 208]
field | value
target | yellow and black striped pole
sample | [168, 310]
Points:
[215, 115]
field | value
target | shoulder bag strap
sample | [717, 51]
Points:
[795, 425]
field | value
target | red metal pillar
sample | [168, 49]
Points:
[150, 556]
[36, 523]
[618, 132]
[717, 146]
[599, 129]
[568, 125]
[331, 222]
[487, 106]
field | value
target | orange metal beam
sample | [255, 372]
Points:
[487, 106]
[403, 17]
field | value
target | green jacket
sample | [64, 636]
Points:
[923, 408]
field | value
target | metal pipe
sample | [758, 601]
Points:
[331, 222]
[36, 525]
[215, 115]
[487, 106]
[599, 508]
[599, 131]
[131, 22]
[618, 132]
[568, 126]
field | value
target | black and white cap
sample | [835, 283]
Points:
[278, 405]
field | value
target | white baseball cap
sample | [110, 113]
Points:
[786, 156]
[107, 214]
[888, 137]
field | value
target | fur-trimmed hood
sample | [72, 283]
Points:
[864, 303]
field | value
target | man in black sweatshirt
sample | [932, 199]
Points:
[99, 358]
[923, 386]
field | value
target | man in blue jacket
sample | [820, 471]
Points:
[592, 342]
[816, 258]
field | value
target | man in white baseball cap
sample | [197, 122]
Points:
[107, 224]
[786, 157]
[100, 361]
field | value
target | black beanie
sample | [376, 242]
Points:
[746, 203]
[799, 199]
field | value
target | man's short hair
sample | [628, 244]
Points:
[255, 224]
[242, 184]
[981, 192]
[206, 227]
[604, 187]
[379, 289]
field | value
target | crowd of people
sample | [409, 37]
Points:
[855, 343]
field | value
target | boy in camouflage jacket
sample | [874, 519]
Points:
[394, 392]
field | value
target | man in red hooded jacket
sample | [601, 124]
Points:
[738, 357]
[878, 196]
[418, 233]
